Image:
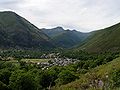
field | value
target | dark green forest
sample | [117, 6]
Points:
[26, 76]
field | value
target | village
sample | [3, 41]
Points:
[46, 60]
[56, 62]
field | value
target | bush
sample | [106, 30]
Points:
[116, 78]
[65, 77]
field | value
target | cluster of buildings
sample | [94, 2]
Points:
[57, 62]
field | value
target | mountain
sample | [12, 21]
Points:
[53, 32]
[107, 39]
[65, 38]
[17, 32]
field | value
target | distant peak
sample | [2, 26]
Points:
[9, 13]
[59, 28]
[74, 30]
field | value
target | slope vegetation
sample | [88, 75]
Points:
[102, 72]
[107, 39]
[17, 32]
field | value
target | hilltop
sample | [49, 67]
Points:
[18, 33]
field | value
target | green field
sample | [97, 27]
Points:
[30, 60]
[35, 60]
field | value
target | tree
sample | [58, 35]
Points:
[3, 86]
[47, 78]
[43, 79]
[21, 80]
[65, 77]
[5, 75]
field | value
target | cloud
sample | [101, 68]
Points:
[83, 15]
[10, 4]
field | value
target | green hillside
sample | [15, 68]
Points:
[65, 38]
[107, 73]
[17, 32]
[107, 39]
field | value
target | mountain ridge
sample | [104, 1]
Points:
[65, 38]
[17, 32]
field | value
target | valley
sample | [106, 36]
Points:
[57, 58]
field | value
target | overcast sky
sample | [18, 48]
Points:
[82, 15]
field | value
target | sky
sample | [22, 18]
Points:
[81, 15]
